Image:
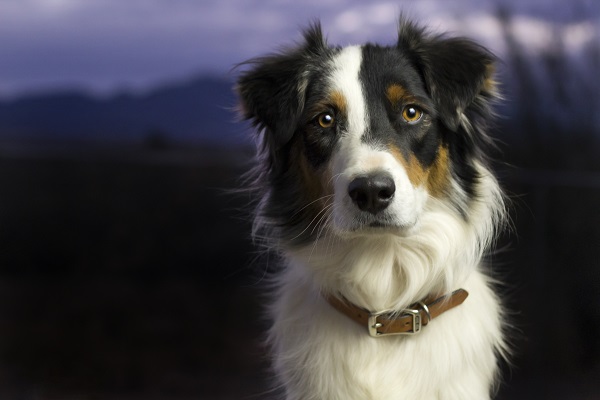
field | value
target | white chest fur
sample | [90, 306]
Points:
[321, 354]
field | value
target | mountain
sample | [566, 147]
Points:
[200, 110]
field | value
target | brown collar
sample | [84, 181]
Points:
[407, 321]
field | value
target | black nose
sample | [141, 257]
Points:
[372, 193]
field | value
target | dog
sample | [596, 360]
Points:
[372, 184]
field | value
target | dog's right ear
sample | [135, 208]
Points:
[272, 92]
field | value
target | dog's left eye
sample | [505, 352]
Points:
[326, 120]
[412, 113]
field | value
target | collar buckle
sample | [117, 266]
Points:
[374, 325]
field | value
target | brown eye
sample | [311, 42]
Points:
[326, 120]
[412, 113]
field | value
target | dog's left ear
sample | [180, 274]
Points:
[456, 70]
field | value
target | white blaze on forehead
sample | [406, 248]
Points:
[344, 79]
[353, 158]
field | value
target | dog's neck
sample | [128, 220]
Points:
[388, 271]
[380, 273]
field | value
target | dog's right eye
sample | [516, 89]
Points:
[412, 114]
[326, 120]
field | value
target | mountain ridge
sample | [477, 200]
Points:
[198, 110]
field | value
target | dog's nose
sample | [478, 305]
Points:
[372, 193]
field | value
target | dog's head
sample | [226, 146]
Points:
[361, 139]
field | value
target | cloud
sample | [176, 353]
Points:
[105, 44]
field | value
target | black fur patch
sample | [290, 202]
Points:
[319, 142]
[454, 71]
[381, 68]
[273, 92]
[276, 94]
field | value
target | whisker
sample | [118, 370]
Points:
[323, 222]
[312, 202]
[323, 216]
[334, 178]
[324, 210]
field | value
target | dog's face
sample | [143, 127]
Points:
[387, 155]
[359, 139]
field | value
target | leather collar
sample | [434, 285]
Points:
[404, 322]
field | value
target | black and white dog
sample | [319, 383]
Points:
[371, 183]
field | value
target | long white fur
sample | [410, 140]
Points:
[321, 354]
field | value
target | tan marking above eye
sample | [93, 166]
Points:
[398, 96]
[339, 101]
[326, 120]
[395, 94]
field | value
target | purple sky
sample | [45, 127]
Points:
[105, 45]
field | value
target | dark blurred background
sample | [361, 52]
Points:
[126, 271]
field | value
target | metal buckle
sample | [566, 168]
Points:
[374, 325]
